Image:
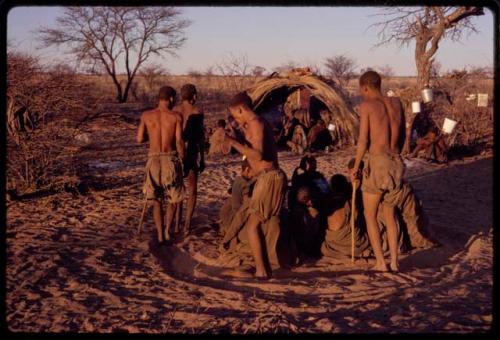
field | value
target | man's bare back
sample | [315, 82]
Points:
[386, 124]
[163, 129]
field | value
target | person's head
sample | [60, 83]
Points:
[308, 163]
[167, 95]
[340, 186]
[304, 196]
[188, 93]
[221, 123]
[239, 107]
[369, 83]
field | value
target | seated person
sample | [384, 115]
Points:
[307, 175]
[337, 209]
[319, 137]
[305, 225]
[414, 224]
[239, 191]
[434, 145]
[298, 142]
[217, 140]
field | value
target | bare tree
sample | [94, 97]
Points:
[235, 68]
[290, 64]
[427, 26]
[109, 36]
[258, 71]
[152, 74]
[340, 68]
[386, 71]
[46, 106]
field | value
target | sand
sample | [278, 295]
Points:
[75, 262]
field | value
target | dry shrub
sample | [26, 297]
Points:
[46, 106]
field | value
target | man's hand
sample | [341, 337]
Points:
[354, 174]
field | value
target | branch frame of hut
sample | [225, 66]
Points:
[324, 95]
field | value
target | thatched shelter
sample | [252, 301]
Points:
[324, 95]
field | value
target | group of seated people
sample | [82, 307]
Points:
[428, 141]
[299, 137]
[317, 222]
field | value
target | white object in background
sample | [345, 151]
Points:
[449, 125]
[416, 107]
[471, 96]
[243, 158]
[331, 127]
[482, 100]
[427, 95]
[391, 93]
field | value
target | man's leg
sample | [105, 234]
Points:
[370, 205]
[178, 216]
[255, 240]
[158, 218]
[392, 235]
[169, 219]
[192, 185]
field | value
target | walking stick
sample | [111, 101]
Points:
[142, 215]
[353, 210]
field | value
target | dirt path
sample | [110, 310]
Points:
[76, 264]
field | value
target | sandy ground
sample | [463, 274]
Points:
[76, 263]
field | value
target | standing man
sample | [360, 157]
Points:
[194, 138]
[270, 181]
[163, 128]
[382, 132]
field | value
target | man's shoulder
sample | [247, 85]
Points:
[148, 113]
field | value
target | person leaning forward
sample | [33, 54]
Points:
[270, 181]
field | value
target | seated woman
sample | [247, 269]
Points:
[239, 191]
[319, 137]
[434, 145]
[217, 140]
[337, 209]
[305, 224]
[298, 142]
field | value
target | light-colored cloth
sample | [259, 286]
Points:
[163, 177]
[265, 202]
[218, 143]
[415, 221]
[268, 194]
[239, 190]
[337, 243]
[383, 175]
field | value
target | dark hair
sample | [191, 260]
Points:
[166, 92]
[221, 123]
[241, 98]
[340, 185]
[188, 91]
[350, 164]
[371, 79]
[307, 159]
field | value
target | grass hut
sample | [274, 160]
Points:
[273, 92]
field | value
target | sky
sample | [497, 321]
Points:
[272, 36]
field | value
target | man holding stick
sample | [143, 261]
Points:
[382, 132]
[163, 128]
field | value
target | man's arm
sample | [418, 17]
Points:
[255, 134]
[179, 142]
[142, 134]
[201, 142]
[364, 130]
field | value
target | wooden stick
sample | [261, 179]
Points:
[142, 215]
[353, 211]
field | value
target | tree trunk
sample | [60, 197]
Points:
[422, 61]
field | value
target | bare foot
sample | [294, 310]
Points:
[394, 267]
[380, 267]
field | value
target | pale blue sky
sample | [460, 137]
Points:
[271, 36]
